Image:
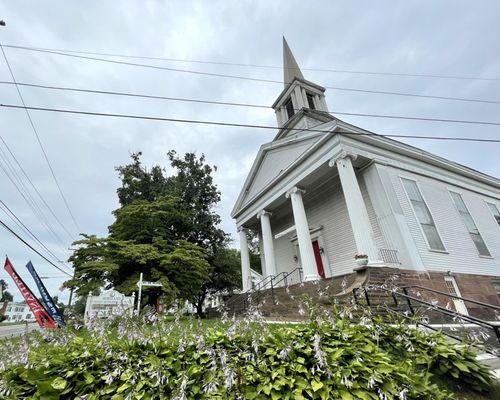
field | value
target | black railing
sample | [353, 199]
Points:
[412, 302]
[269, 283]
[426, 289]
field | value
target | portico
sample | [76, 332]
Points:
[291, 239]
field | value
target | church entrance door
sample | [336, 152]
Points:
[319, 260]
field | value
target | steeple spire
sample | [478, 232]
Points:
[291, 69]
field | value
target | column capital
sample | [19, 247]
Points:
[242, 229]
[262, 213]
[343, 154]
[294, 190]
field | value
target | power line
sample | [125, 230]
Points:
[10, 230]
[26, 195]
[39, 140]
[223, 103]
[232, 124]
[31, 183]
[27, 230]
[41, 277]
[391, 93]
[234, 64]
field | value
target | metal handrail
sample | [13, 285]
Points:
[428, 326]
[442, 310]
[287, 274]
[479, 303]
[261, 285]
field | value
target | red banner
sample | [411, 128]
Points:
[42, 316]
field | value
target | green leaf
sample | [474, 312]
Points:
[316, 385]
[59, 383]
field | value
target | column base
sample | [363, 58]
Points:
[312, 277]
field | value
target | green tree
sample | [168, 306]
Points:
[166, 228]
[79, 306]
[225, 276]
[59, 304]
[6, 295]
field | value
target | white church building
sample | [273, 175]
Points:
[324, 191]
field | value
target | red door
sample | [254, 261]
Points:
[319, 261]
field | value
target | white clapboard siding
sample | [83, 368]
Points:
[461, 255]
[326, 207]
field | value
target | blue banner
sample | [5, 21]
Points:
[46, 299]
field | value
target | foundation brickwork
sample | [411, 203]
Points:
[474, 287]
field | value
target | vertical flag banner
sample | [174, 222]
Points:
[47, 300]
[42, 316]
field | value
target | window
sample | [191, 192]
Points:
[423, 214]
[495, 212]
[470, 224]
[289, 108]
[310, 101]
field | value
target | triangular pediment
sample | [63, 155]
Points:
[272, 161]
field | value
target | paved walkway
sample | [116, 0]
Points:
[7, 331]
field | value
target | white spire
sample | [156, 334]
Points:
[291, 69]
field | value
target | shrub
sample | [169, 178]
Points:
[329, 357]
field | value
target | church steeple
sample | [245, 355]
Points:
[301, 103]
[291, 69]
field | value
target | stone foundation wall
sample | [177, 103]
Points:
[475, 287]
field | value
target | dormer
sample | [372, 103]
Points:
[301, 100]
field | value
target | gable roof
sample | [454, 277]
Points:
[273, 159]
[277, 158]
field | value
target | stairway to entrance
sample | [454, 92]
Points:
[286, 297]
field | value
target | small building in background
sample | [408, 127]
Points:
[107, 304]
[16, 312]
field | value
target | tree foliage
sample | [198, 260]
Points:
[167, 229]
[6, 295]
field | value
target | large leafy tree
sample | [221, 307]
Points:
[166, 228]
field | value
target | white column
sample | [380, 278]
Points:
[356, 208]
[308, 262]
[267, 239]
[284, 114]
[245, 260]
[262, 255]
[299, 98]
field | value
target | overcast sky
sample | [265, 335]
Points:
[423, 37]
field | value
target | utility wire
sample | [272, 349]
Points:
[234, 64]
[223, 103]
[231, 124]
[27, 230]
[39, 141]
[41, 277]
[27, 196]
[405, 94]
[32, 185]
[10, 230]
